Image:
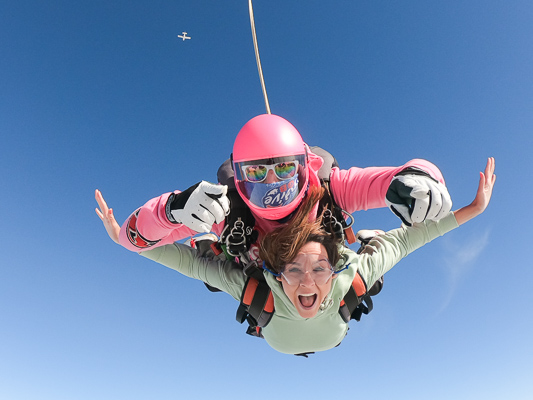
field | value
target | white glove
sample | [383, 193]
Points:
[415, 198]
[199, 207]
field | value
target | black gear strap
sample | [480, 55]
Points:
[415, 171]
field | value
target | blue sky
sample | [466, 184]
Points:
[104, 95]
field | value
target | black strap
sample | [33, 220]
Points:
[306, 355]
[352, 300]
[255, 312]
[364, 307]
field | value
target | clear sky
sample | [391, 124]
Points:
[103, 94]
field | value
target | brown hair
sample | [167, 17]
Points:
[283, 244]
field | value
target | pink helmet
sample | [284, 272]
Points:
[269, 142]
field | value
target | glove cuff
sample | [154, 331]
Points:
[177, 201]
[415, 171]
[169, 208]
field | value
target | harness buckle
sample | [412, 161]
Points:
[330, 220]
[236, 240]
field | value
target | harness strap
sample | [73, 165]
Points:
[257, 304]
[353, 299]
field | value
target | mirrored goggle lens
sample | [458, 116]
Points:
[258, 173]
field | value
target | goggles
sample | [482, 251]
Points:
[320, 273]
[258, 172]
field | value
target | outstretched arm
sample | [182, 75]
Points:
[385, 250]
[483, 195]
[414, 191]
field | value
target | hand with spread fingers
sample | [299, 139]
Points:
[106, 215]
[483, 195]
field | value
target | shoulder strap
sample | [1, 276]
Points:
[353, 299]
[329, 162]
[256, 306]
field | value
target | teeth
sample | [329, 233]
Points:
[307, 295]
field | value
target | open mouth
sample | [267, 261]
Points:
[307, 300]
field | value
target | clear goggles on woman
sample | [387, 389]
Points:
[320, 272]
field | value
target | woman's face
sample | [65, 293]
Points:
[306, 295]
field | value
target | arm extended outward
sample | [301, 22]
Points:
[385, 250]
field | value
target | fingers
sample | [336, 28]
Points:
[446, 205]
[219, 194]
[210, 215]
[420, 209]
[435, 205]
[219, 212]
[219, 206]
[420, 192]
[216, 190]
[422, 201]
[224, 204]
[105, 213]
[402, 212]
[440, 201]
[489, 171]
[367, 234]
[431, 201]
[101, 202]
[488, 178]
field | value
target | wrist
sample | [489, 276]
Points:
[467, 213]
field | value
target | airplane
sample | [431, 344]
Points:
[183, 36]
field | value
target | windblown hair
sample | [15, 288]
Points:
[281, 246]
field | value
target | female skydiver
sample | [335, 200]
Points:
[308, 270]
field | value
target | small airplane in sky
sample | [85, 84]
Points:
[184, 36]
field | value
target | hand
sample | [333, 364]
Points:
[416, 197]
[486, 184]
[199, 207]
[363, 238]
[483, 195]
[107, 217]
[366, 235]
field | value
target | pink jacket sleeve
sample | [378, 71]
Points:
[365, 188]
[148, 227]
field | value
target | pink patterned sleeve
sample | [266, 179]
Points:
[358, 189]
[148, 227]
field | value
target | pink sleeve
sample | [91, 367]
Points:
[148, 227]
[365, 188]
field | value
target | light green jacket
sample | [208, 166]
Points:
[287, 331]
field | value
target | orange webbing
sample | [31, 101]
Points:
[359, 285]
[269, 306]
[350, 236]
[251, 287]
